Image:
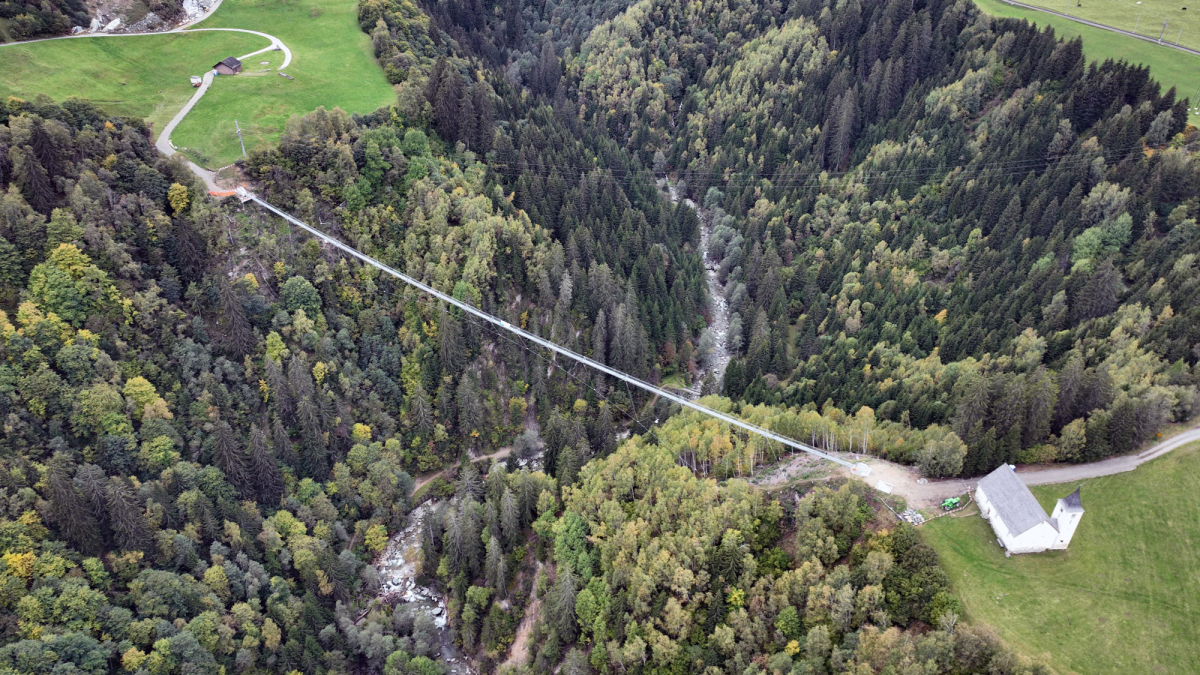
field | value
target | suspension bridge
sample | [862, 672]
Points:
[859, 469]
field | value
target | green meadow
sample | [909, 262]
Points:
[332, 63]
[1123, 598]
[147, 75]
[1145, 18]
[137, 76]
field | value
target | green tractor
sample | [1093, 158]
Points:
[951, 503]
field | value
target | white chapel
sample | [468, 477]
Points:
[1020, 522]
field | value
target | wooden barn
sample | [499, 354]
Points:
[229, 66]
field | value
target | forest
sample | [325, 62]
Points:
[26, 20]
[876, 175]
[945, 240]
[222, 465]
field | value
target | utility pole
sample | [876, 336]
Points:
[1164, 30]
[239, 133]
[1178, 37]
[1139, 20]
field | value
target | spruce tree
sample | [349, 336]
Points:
[264, 469]
[125, 515]
[560, 608]
[43, 148]
[35, 182]
[280, 391]
[485, 127]
[70, 512]
[228, 456]
[239, 334]
[282, 442]
[420, 410]
[510, 518]
[451, 349]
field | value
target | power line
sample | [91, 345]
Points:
[859, 469]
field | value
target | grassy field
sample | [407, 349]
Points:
[1170, 67]
[1124, 598]
[139, 76]
[332, 62]
[1183, 25]
[147, 75]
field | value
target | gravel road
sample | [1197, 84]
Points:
[904, 478]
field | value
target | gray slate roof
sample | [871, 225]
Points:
[231, 62]
[1014, 503]
[1073, 502]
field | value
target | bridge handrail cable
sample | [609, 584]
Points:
[859, 469]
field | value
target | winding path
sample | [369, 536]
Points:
[163, 143]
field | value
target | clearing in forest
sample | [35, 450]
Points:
[1168, 19]
[332, 63]
[1122, 599]
[131, 75]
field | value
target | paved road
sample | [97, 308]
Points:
[904, 478]
[1101, 26]
[164, 139]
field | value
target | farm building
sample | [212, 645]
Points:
[1020, 522]
[229, 66]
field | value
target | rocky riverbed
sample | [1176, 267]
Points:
[398, 584]
[718, 307]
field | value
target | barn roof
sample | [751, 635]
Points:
[230, 62]
[1014, 503]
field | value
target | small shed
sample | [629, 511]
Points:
[229, 66]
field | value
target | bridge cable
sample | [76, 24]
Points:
[858, 469]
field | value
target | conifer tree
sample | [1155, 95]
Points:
[43, 148]
[560, 608]
[510, 517]
[125, 515]
[420, 410]
[282, 442]
[451, 350]
[229, 457]
[34, 180]
[264, 469]
[485, 127]
[70, 512]
[239, 334]
[281, 394]
[495, 567]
